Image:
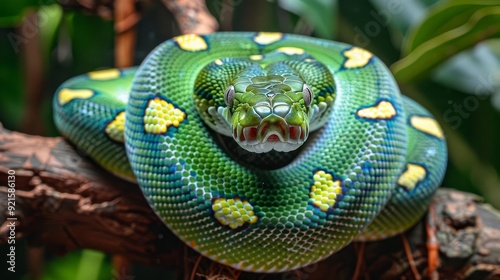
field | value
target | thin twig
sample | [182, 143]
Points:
[409, 256]
[195, 267]
[359, 259]
[33, 69]
[125, 19]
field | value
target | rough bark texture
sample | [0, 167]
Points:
[65, 202]
[192, 16]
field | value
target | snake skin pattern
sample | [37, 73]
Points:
[367, 170]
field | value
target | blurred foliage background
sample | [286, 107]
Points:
[444, 54]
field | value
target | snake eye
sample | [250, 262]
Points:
[307, 94]
[229, 96]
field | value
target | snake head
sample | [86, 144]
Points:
[272, 116]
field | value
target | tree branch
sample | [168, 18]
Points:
[65, 202]
[192, 16]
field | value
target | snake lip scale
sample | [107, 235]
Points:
[264, 138]
[368, 170]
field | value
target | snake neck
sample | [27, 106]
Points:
[265, 103]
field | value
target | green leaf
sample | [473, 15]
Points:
[484, 23]
[84, 264]
[50, 18]
[399, 16]
[12, 81]
[319, 13]
[91, 42]
[444, 18]
[12, 12]
[475, 71]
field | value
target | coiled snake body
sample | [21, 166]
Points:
[345, 155]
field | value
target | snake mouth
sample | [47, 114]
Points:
[264, 138]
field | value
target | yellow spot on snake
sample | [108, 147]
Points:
[290, 50]
[256, 57]
[160, 115]
[116, 128]
[383, 110]
[218, 62]
[191, 42]
[324, 191]
[266, 38]
[233, 212]
[427, 125]
[414, 173]
[66, 95]
[104, 74]
[357, 57]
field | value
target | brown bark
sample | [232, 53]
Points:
[192, 16]
[126, 17]
[66, 202]
[31, 54]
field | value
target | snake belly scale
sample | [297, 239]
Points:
[367, 160]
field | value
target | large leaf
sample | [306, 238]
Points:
[471, 70]
[11, 79]
[12, 12]
[475, 71]
[446, 17]
[79, 265]
[484, 23]
[91, 42]
[319, 13]
[399, 16]
[50, 18]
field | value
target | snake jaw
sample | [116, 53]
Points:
[266, 137]
[261, 134]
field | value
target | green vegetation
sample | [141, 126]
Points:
[444, 54]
